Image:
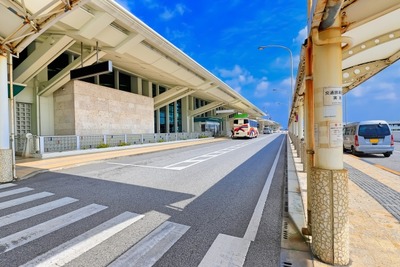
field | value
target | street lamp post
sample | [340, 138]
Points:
[291, 68]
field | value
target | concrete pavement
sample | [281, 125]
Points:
[374, 203]
[26, 167]
[374, 211]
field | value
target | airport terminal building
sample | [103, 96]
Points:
[143, 83]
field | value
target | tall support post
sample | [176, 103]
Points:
[300, 130]
[309, 131]
[329, 181]
[300, 122]
[6, 173]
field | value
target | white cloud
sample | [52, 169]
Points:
[181, 9]
[168, 14]
[236, 77]
[301, 36]
[262, 88]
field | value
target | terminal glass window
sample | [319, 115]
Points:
[163, 120]
[155, 121]
[161, 90]
[179, 115]
[171, 115]
[107, 80]
[124, 82]
[21, 57]
[57, 65]
[154, 88]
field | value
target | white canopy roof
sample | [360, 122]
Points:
[80, 25]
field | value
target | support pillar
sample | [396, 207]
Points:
[300, 130]
[300, 122]
[309, 123]
[329, 181]
[6, 174]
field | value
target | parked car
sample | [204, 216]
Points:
[368, 137]
[267, 130]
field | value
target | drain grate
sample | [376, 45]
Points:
[286, 264]
[285, 233]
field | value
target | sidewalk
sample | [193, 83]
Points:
[374, 231]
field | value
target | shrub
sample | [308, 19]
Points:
[123, 144]
[102, 145]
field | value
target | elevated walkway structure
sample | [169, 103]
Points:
[348, 42]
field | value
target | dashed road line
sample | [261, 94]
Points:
[181, 165]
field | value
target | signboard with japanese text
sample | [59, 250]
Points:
[332, 96]
[336, 134]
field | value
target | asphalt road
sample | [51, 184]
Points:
[391, 163]
[170, 208]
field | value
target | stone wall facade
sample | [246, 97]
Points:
[82, 108]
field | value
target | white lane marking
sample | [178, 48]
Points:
[252, 228]
[15, 191]
[135, 165]
[229, 251]
[150, 249]
[178, 166]
[25, 236]
[24, 214]
[72, 249]
[6, 185]
[22, 200]
[226, 251]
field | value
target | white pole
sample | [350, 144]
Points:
[291, 72]
[12, 120]
[4, 111]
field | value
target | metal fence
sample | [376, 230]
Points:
[60, 143]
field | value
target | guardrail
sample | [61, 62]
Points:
[31, 145]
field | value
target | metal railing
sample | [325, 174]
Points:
[61, 143]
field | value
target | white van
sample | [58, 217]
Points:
[368, 137]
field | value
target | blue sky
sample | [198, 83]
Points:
[223, 37]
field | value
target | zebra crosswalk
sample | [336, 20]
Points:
[144, 253]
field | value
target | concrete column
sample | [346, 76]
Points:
[300, 123]
[6, 174]
[300, 130]
[329, 181]
[185, 114]
[167, 118]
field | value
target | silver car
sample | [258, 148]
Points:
[368, 137]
